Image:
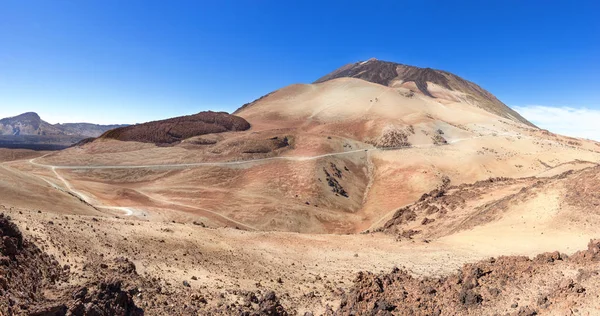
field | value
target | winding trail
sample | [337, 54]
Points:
[203, 164]
[69, 187]
[251, 161]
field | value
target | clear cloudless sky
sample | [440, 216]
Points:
[115, 61]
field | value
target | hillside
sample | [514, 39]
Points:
[178, 128]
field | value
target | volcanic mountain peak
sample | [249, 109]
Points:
[28, 118]
[399, 75]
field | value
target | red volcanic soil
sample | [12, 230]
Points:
[179, 128]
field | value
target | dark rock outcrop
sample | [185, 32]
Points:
[179, 128]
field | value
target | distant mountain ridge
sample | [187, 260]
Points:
[28, 130]
[394, 74]
[30, 123]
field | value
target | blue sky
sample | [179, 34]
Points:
[131, 61]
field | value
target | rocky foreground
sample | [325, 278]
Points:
[515, 285]
[33, 283]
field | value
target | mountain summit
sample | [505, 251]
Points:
[429, 82]
[26, 123]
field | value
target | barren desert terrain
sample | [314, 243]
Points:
[380, 189]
